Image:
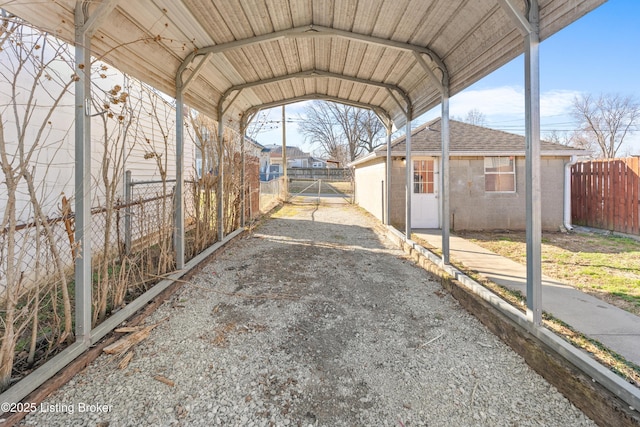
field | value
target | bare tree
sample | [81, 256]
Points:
[202, 131]
[259, 124]
[560, 137]
[36, 73]
[120, 113]
[372, 131]
[475, 117]
[605, 121]
[343, 132]
[349, 120]
[320, 127]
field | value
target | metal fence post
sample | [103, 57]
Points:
[127, 212]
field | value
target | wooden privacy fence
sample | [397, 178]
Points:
[605, 194]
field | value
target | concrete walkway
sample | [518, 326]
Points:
[615, 328]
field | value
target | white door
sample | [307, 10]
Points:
[424, 196]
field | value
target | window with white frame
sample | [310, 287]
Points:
[423, 179]
[500, 174]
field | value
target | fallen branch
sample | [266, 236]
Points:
[125, 360]
[432, 340]
[473, 392]
[128, 329]
[165, 380]
[124, 344]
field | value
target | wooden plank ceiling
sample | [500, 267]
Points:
[333, 47]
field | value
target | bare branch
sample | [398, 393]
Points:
[606, 121]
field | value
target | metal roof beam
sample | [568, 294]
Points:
[382, 114]
[314, 31]
[441, 84]
[320, 30]
[196, 71]
[310, 74]
[517, 16]
[99, 15]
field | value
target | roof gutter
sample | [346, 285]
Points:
[365, 158]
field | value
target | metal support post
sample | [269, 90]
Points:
[243, 208]
[444, 177]
[220, 179]
[532, 138]
[82, 177]
[179, 230]
[408, 177]
[388, 166]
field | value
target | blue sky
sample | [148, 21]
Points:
[599, 53]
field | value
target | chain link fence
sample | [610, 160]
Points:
[132, 249]
[271, 192]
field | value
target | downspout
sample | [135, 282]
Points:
[567, 193]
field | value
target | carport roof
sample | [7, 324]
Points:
[240, 55]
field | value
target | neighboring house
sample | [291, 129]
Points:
[317, 163]
[487, 179]
[333, 163]
[296, 158]
[254, 148]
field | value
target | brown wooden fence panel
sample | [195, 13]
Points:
[606, 194]
[635, 165]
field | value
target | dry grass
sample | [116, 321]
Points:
[605, 266]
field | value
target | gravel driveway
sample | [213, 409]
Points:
[313, 319]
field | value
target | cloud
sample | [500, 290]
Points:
[499, 101]
[508, 101]
[557, 102]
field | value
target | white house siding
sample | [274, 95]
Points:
[53, 164]
[369, 187]
[52, 160]
[150, 135]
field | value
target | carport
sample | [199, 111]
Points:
[230, 59]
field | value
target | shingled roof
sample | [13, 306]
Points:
[466, 140]
[293, 152]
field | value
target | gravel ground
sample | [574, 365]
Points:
[312, 319]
